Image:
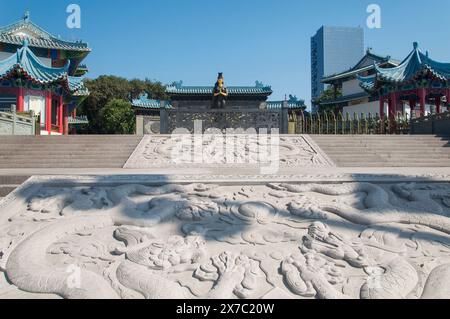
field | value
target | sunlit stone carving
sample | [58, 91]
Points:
[75, 239]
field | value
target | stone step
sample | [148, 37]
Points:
[81, 151]
[57, 159]
[418, 143]
[348, 141]
[400, 152]
[385, 136]
[6, 189]
[388, 159]
[46, 152]
[383, 164]
[386, 150]
[439, 150]
[96, 164]
[68, 142]
[13, 179]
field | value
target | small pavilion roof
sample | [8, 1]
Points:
[367, 62]
[17, 32]
[293, 103]
[25, 62]
[78, 120]
[145, 103]
[258, 89]
[28, 65]
[76, 86]
[415, 66]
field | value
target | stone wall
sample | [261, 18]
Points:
[148, 124]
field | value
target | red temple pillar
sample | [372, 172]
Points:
[381, 107]
[437, 102]
[447, 94]
[20, 99]
[48, 112]
[60, 115]
[412, 107]
[66, 120]
[392, 105]
[422, 98]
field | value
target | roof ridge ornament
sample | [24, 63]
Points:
[26, 16]
[177, 84]
[143, 96]
[416, 45]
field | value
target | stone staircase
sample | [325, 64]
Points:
[386, 150]
[90, 151]
[10, 183]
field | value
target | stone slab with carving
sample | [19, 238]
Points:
[212, 150]
[126, 237]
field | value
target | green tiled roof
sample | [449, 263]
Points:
[77, 86]
[361, 66]
[25, 63]
[346, 98]
[40, 38]
[293, 103]
[367, 82]
[78, 120]
[258, 89]
[412, 68]
[144, 102]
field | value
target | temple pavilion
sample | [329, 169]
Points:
[200, 98]
[418, 81]
[352, 99]
[43, 74]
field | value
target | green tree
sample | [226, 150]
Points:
[106, 88]
[118, 117]
[327, 95]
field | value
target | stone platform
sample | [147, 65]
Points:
[299, 236]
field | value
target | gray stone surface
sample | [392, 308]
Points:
[375, 237]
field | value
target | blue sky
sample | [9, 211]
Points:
[248, 40]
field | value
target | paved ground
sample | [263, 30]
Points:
[227, 171]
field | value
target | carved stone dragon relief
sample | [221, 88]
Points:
[293, 151]
[353, 240]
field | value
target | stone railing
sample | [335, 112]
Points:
[257, 119]
[12, 123]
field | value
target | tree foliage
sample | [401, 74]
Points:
[107, 88]
[327, 95]
[118, 117]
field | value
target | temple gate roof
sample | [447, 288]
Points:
[17, 32]
[25, 64]
[414, 67]
[258, 89]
